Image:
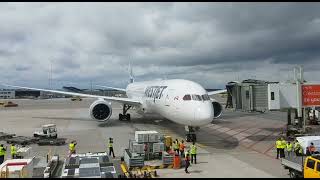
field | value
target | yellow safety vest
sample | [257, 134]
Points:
[2, 151]
[300, 150]
[193, 149]
[71, 147]
[110, 144]
[13, 150]
[278, 144]
[297, 146]
[176, 145]
[284, 144]
[289, 147]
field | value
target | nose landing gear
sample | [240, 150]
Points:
[125, 116]
[190, 134]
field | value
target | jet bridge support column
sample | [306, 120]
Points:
[289, 116]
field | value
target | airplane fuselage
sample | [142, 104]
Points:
[181, 101]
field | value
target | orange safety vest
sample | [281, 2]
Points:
[182, 146]
[312, 149]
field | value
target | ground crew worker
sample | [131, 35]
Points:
[111, 147]
[13, 151]
[312, 148]
[187, 162]
[297, 148]
[181, 148]
[186, 152]
[289, 149]
[193, 152]
[278, 146]
[2, 153]
[283, 146]
[176, 146]
[72, 147]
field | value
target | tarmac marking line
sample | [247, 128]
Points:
[261, 139]
[272, 146]
[241, 125]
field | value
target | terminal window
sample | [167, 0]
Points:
[272, 95]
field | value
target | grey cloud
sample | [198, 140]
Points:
[211, 43]
[23, 68]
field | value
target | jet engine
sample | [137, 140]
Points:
[100, 110]
[217, 109]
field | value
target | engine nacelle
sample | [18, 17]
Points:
[100, 110]
[217, 109]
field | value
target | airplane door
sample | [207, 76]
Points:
[167, 98]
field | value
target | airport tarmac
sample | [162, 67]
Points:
[238, 144]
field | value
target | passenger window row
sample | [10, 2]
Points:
[196, 97]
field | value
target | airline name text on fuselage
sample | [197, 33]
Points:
[155, 92]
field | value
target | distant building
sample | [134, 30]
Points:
[31, 94]
[7, 93]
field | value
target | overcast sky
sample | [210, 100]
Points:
[210, 43]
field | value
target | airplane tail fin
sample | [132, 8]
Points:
[131, 74]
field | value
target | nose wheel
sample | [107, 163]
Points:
[125, 116]
[190, 134]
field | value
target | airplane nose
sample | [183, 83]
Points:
[204, 114]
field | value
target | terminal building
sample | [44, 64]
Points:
[7, 94]
[31, 94]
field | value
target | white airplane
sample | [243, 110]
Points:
[181, 101]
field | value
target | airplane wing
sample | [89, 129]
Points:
[119, 89]
[217, 92]
[116, 99]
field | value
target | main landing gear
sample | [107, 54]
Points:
[125, 116]
[190, 134]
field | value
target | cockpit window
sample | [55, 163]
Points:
[196, 97]
[187, 97]
[205, 97]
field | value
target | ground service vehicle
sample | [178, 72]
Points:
[10, 104]
[48, 131]
[302, 166]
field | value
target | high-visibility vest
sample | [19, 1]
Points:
[278, 144]
[13, 150]
[289, 147]
[182, 146]
[110, 144]
[71, 147]
[176, 145]
[312, 148]
[300, 150]
[297, 146]
[283, 144]
[193, 149]
[2, 151]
